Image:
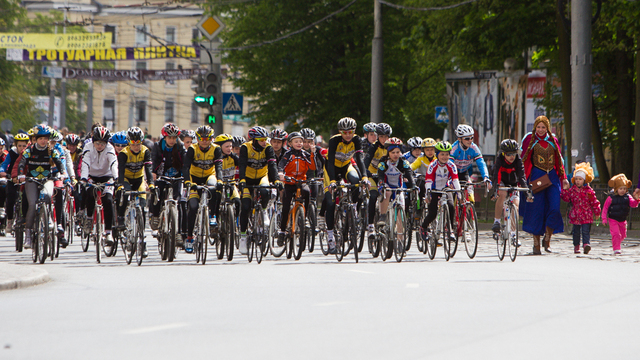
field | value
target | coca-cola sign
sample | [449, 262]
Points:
[535, 87]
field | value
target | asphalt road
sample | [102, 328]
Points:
[538, 307]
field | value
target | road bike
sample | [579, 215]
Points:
[96, 233]
[345, 218]
[466, 227]
[43, 236]
[132, 236]
[201, 229]
[18, 219]
[168, 227]
[312, 214]
[69, 213]
[443, 229]
[257, 233]
[296, 231]
[227, 230]
[391, 236]
[508, 234]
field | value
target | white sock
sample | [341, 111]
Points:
[107, 232]
[330, 235]
[496, 220]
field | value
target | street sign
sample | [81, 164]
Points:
[442, 115]
[210, 26]
[52, 72]
[232, 103]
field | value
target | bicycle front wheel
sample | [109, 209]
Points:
[204, 235]
[97, 218]
[170, 245]
[298, 233]
[470, 230]
[312, 216]
[513, 234]
[446, 232]
[43, 236]
[501, 239]
[140, 237]
[230, 221]
[398, 237]
[431, 245]
[338, 233]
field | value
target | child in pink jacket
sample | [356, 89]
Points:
[616, 210]
[585, 206]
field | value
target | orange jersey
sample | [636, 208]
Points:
[296, 163]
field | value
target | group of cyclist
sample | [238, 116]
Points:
[376, 162]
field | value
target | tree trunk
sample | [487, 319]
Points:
[564, 57]
[625, 111]
[598, 149]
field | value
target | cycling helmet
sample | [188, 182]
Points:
[134, 134]
[428, 142]
[278, 134]
[308, 134]
[31, 132]
[70, 139]
[393, 143]
[464, 131]
[443, 146]
[41, 130]
[295, 135]
[170, 130]
[509, 146]
[119, 138]
[347, 123]
[257, 132]
[384, 129]
[204, 132]
[223, 138]
[1, 142]
[415, 142]
[24, 137]
[101, 133]
[369, 127]
[188, 133]
[56, 136]
[238, 141]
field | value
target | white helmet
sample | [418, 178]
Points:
[464, 131]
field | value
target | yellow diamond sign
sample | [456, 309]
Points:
[210, 26]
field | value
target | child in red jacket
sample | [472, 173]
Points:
[585, 206]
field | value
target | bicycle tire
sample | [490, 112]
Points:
[220, 241]
[500, 242]
[338, 233]
[453, 245]
[322, 239]
[19, 237]
[298, 234]
[445, 232]
[204, 237]
[363, 216]
[312, 215]
[399, 248]
[162, 237]
[173, 233]
[260, 238]
[353, 232]
[139, 236]
[84, 236]
[127, 248]
[43, 236]
[431, 245]
[373, 241]
[513, 242]
[98, 234]
[231, 232]
[264, 240]
[470, 230]
[385, 250]
[408, 227]
[274, 228]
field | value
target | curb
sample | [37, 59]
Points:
[17, 276]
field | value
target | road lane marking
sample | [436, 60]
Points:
[154, 328]
[362, 272]
[413, 285]
[332, 303]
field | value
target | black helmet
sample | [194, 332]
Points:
[508, 146]
[383, 129]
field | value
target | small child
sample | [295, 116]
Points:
[585, 206]
[616, 210]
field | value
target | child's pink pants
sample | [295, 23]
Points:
[618, 231]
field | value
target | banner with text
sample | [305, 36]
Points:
[128, 75]
[55, 41]
[113, 54]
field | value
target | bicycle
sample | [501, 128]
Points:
[96, 235]
[312, 215]
[415, 214]
[3, 217]
[228, 228]
[132, 236]
[388, 236]
[201, 228]
[257, 234]
[296, 231]
[43, 238]
[508, 233]
[18, 220]
[168, 225]
[443, 227]
[345, 227]
[466, 220]
[69, 206]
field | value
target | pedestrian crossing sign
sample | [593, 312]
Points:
[232, 103]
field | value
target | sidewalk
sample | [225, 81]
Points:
[20, 276]
[562, 245]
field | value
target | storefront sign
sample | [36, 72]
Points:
[113, 54]
[55, 41]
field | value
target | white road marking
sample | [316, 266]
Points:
[413, 285]
[154, 328]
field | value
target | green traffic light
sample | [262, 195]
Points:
[199, 99]
[211, 100]
[211, 119]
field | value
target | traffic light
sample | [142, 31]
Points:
[204, 100]
[211, 85]
[209, 119]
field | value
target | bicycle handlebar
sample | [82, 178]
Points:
[508, 188]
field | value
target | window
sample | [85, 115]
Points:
[168, 111]
[111, 29]
[194, 113]
[195, 33]
[170, 66]
[141, 35]
[171, 34]
[108, 110]
[141, 111]
[141, 65]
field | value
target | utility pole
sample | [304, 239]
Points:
[63, 81]
[52, 91]
[581, 59]
[90, 94]
[377, 53]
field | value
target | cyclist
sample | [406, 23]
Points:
[278, 137]
[167, 160]
[392, 170]
[202, 166]
[72, 142]
[309, 145]
[119, 141]
[415, 149]
[441, 174]
[230, 163]
[464, 153]
[421, 164]
[371, 161]
[99, 164]
[20, 142]
[36, 163]
[67, 175]
[508, 171]
[237, 142]
[342, 148]
[369, 135]
[187, 137]
[295, 164]
[257, 168]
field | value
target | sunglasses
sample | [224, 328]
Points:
[135, 142]
[261, 139]
[347, 132]
[467, 138]
[510, 154]
[119, 146]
